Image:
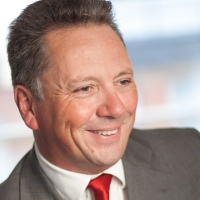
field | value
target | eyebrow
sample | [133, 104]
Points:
[88, 78]
[94, 78]
[127, 72]
[72, 83]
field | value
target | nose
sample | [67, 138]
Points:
[111, 106]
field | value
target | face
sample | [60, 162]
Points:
[89, 101]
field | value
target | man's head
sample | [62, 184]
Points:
[87, 110]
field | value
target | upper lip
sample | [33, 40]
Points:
[104, 129]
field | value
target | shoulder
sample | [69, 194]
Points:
[167, 132]
[176, 147]
[28, 181]
[164, 158]
[170, 139]
[9, 189]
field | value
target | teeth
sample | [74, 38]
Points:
[106, 132]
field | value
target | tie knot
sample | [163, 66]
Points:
[101, 186]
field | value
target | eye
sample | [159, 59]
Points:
[124, 82]
[83, 89]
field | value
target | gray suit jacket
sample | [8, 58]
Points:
[159, 165]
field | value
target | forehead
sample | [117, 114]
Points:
[81, 35]
[85, 47]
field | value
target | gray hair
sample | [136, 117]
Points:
[26, 48]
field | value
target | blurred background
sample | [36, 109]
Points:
[163, 41]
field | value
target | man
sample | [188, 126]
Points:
[74, 87]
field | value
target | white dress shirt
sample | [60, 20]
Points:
[73, 186]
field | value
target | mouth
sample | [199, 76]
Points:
[105, 133]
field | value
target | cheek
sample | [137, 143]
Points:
[130, 101]
[46, 115]
[79, 112]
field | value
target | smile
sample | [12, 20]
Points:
[106, 132]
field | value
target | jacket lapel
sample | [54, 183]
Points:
[147, 176]
[33, 182]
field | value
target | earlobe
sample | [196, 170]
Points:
[24, 100]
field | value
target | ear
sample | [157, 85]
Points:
[25, 103]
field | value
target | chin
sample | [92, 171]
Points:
[108, 159]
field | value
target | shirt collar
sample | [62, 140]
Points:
[66, 181]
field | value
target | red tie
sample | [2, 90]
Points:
[101, 186]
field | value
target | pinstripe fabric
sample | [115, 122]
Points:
[159, 165]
